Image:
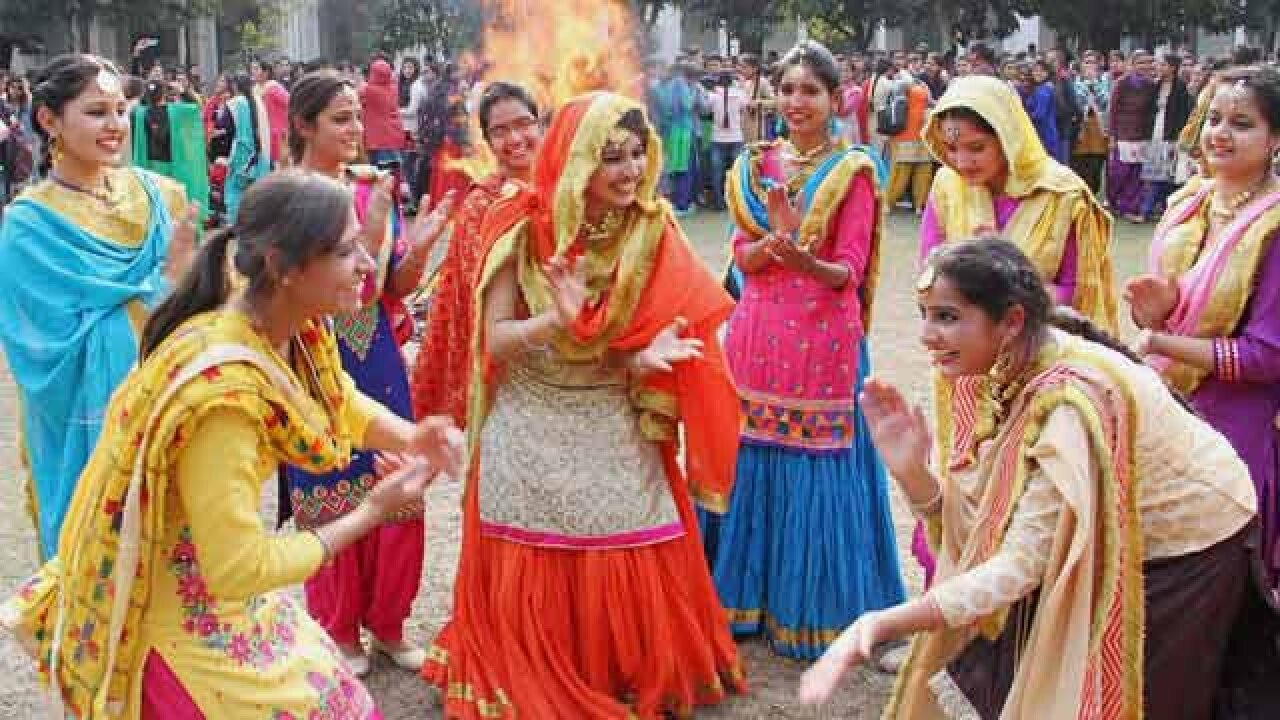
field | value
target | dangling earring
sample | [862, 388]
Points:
[998, 378]
[55, 150]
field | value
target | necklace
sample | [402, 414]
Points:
[106, 196]
[803, 163]
[1223, 213]
[603, 229]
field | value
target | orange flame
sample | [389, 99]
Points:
[557, 49]
[562, 48]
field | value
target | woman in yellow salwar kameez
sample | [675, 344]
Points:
[165, 599]
[1091, 541]
[997, 179]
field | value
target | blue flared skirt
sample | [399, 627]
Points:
[808, 544]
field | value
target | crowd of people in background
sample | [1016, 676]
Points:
[211, 284]
[1122, 121]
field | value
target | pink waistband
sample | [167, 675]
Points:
[614, 541]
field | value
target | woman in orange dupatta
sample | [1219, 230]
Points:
[582, 592]
[442, 370]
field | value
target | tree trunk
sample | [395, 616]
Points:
[84, 25]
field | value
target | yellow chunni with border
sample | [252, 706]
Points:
[1107, 606]
[1184, 245]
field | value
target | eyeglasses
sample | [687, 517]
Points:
[502, 133]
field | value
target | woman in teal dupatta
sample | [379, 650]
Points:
[248, 161]
[87, 252]
[169, 139]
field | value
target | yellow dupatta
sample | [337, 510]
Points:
[1082, 656]
[1054, 202]
[76, 614]
[1215, 282]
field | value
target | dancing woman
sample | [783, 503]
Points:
[372, 584]
[1076, 534]
[86, 255]
[166, 599]
[997, 177]
[1210, 308]
[806, 251]
[442, 371]
[582, 591]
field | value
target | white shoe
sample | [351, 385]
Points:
[407, 656]
[358, 661]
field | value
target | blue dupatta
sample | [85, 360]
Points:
[247, 161]
[66, 333]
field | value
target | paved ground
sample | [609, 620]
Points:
[401, 695]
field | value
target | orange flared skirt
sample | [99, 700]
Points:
[553, 634]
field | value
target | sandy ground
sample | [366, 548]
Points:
[402, 695]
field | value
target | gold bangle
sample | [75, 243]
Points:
[929, 508]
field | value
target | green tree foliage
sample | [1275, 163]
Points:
[1101, 23]
[442, 26]
[80, 14]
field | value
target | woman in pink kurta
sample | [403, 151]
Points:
[808, 541]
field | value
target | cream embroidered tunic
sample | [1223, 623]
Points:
[1194, 491]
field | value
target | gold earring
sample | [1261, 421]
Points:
[998, 379]
[55, 150]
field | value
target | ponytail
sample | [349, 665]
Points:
[204, 287]
[1068, 320]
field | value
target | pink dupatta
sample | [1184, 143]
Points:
[1200, 285]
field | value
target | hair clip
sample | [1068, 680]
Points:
[927, 277]
[618, 137]
[108, 82]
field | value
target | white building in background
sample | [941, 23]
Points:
[299, 34]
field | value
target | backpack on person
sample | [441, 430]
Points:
[891, 117]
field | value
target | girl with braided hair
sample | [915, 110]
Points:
[1077, 527]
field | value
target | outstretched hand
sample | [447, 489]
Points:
[666, 349]
[853, 648]
[426, 228]
[900, 431]
[568, 287]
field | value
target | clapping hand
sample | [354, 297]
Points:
[182, 244]
[443, 445]
[401, 482]
[784, 216]
[378, 213]
[1152, 299]
[789, 255]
